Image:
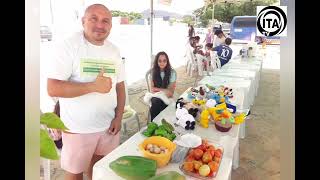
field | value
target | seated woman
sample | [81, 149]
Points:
[163, 79]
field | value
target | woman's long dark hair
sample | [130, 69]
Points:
[157, 81]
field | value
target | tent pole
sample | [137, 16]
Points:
[151, 32]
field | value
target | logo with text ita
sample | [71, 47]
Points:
[272, 20]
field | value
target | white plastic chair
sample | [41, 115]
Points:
[192, 64]
[215, 61]
[133, 116]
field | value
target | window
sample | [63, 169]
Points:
[245, 22]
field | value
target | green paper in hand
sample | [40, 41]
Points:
[52, 121]
[47, 146]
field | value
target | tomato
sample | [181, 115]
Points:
[188, 166]
[202, 147]
[213, 166]
[211, 147]
[211, 151]
[197, 153]
[206, 157]
[205, 143]
[210, 174]
[191, 152]
[197, 164]
[190, 158]
[217, 159]
[218, 153]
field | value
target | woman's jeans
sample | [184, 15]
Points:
[157, 106]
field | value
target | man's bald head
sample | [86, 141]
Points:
[97, 23]
[94, 6]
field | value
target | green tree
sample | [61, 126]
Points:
[133, 16]
[188, 19]
[226, 11]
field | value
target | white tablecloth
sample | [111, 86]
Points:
[229, 141]
[255, 66]
[242, 88]
[242, 73]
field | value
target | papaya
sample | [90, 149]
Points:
[168, 175]
[134, 167]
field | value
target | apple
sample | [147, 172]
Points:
[204, 170]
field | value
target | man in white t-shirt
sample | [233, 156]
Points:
[87, 75]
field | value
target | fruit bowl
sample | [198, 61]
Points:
[195, 165]
[162, 159]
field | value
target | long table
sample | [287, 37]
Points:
[229, 141]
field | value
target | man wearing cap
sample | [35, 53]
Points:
[87, 75]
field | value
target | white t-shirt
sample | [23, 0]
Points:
[91, 112]
[218, 41]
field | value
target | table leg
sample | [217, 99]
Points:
[243, 130]
[236, 158]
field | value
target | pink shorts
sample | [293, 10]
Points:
[78, 149]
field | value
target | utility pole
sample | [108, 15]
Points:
[151, 29]
[213, 3]
[51, 12]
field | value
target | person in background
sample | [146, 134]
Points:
[224, 52]
[197, 46]
[219, 38]
[163, 79]
[191, 32]
[209, 37]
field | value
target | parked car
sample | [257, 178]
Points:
[244, 28]
[45, 33]
[200, 31]
[226, 28]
